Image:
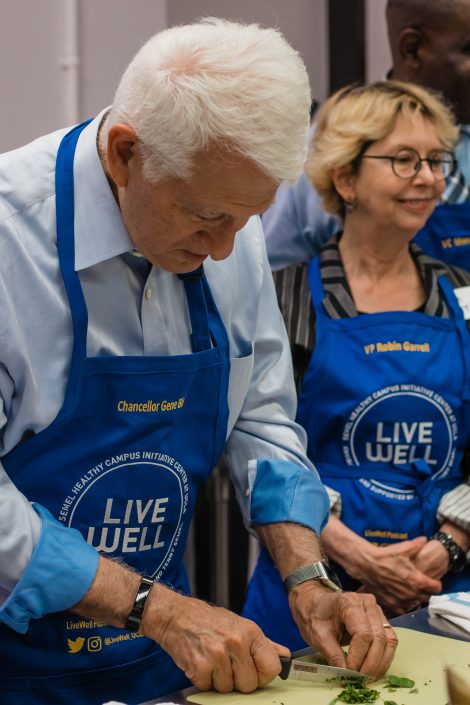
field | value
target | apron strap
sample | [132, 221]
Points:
[200, 333]
[66, 249]
[207, 326]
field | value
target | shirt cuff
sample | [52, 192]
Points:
[284, 491]
[59, 573]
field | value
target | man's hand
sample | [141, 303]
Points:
[326, 619]
[214, 647]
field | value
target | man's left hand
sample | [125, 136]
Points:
[327, 619]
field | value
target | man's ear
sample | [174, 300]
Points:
[343, 181]
[410, 44]
[120, 151]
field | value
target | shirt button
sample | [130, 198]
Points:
[148, 293]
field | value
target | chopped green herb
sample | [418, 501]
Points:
[397, 682]
[414, 690]
[390, 702]
[358, 693]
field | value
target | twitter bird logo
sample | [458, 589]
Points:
[75, 646]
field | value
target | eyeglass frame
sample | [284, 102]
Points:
[419, 162]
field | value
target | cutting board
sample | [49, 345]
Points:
[422, 657]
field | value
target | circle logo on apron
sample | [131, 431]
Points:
[131, 506]
[399, 425]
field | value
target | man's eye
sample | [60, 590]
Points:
[210, 218]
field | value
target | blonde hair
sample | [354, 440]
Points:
[356, 116]
[216, 81]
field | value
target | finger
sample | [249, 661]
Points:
[265, 656]
[280, 649]
[223, 676]
[200, 673]
[411, 546]
[364, 622]
[381, 648]
[426, 586]
[327, 642]
[381, 652]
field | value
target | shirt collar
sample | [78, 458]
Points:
[100, 232]
[339, 301]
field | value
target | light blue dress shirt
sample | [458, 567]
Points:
[134, 309]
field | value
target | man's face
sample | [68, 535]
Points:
[445, 60]
[176, 224]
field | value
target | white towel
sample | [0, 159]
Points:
[455, 607]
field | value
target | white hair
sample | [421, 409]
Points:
[216, 82]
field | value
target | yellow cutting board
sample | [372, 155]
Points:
[421, 657]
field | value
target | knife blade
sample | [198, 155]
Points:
[306, 668]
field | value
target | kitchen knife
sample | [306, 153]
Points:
[306, 668]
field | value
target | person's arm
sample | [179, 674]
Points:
[213, 646]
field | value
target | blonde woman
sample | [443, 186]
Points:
[376, 326]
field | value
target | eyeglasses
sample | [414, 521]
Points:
[406, 163]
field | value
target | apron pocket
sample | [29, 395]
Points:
[240, 375]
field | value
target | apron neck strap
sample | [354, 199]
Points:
[65, 212]
[193, 285]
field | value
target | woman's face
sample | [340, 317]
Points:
[388, 200]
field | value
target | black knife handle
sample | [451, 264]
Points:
[286, 662]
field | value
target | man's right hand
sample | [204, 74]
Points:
[213, 646]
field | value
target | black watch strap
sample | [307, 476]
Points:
[457, 556]
[135, 615]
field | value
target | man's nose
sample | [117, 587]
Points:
[221, 240]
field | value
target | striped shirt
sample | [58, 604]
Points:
[295, 302]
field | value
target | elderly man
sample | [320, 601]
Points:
[429, 41]
[127, 368]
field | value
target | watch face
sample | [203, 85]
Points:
[331, 580]
[335, 578]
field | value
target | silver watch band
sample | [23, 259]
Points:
[314, 571]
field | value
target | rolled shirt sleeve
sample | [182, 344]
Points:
[59, 573]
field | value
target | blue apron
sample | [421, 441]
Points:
[446, 235]
[122, 462]
[385, 404]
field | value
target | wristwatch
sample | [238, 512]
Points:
[135, 615]
[314, 571]
[457, 557]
